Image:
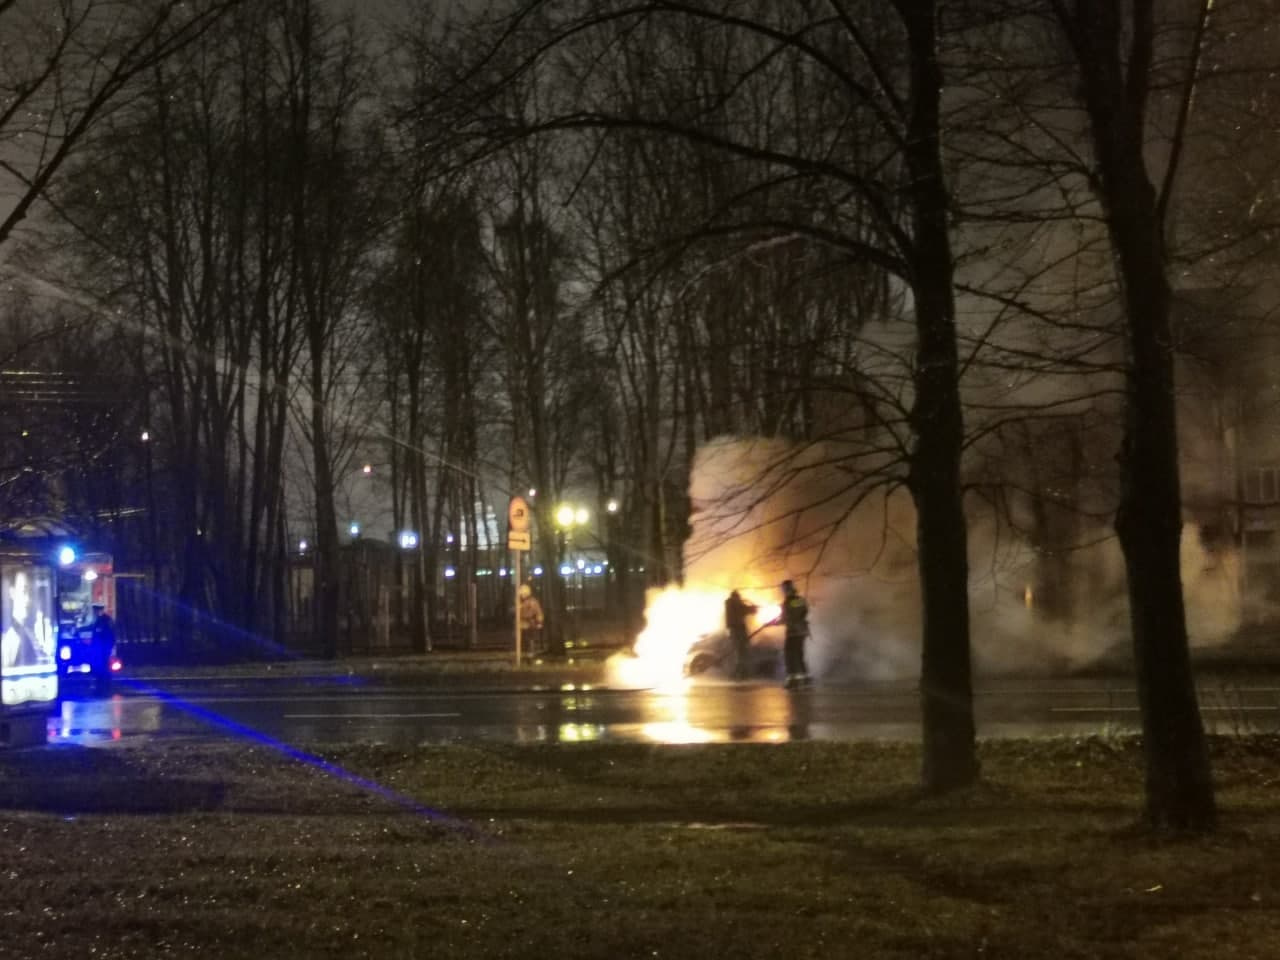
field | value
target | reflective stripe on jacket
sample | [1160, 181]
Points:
[795, 614]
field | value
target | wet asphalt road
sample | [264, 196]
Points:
[345, 711]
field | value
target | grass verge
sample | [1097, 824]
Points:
[177, 848]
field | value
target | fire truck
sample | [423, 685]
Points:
[85, 582]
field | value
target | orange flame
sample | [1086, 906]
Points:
[675, 619]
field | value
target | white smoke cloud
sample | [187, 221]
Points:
[765, 510]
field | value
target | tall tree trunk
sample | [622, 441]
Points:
[946, 686]
[1179, 787]
[419, 626]
[326, 555]
[1179, 783]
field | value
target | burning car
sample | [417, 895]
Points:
[712, 653]
[685, 636]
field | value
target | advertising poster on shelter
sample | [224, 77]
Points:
[28, 671]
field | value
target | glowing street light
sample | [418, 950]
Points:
[302, 546]
[569, 515]
[354, 529]
[146, 436]
[408, 539]
[367, 469]
[612, 506]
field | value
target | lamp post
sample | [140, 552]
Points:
[153, 537]
[612, 585]
[568, 516]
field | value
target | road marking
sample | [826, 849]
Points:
[356, 697]
[1082, 691]
[368, 716]
[1203, 709]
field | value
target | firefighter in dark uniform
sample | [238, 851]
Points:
[736, 611]
[102, 641]
[795, 619]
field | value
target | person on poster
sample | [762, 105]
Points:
[27, 639]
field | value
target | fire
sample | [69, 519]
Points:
[675, 619]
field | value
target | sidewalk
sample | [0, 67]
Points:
[452, 668]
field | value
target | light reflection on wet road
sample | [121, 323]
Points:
[698, 714]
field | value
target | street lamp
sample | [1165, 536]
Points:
[568, 516]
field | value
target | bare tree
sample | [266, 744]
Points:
[334, 218]
[68, 66]
[1114, 50]
[875, 80]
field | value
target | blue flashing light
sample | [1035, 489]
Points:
[67, 556]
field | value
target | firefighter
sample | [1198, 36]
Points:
[736, 611]
[795, 618]
[102, 644]
[531, 618]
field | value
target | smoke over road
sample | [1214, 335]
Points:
[765, 510]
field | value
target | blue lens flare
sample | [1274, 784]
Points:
[245, 732]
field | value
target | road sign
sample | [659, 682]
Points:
[519, 540]
[518, 517]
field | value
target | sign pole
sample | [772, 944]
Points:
[516, 591]
[519, 539]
